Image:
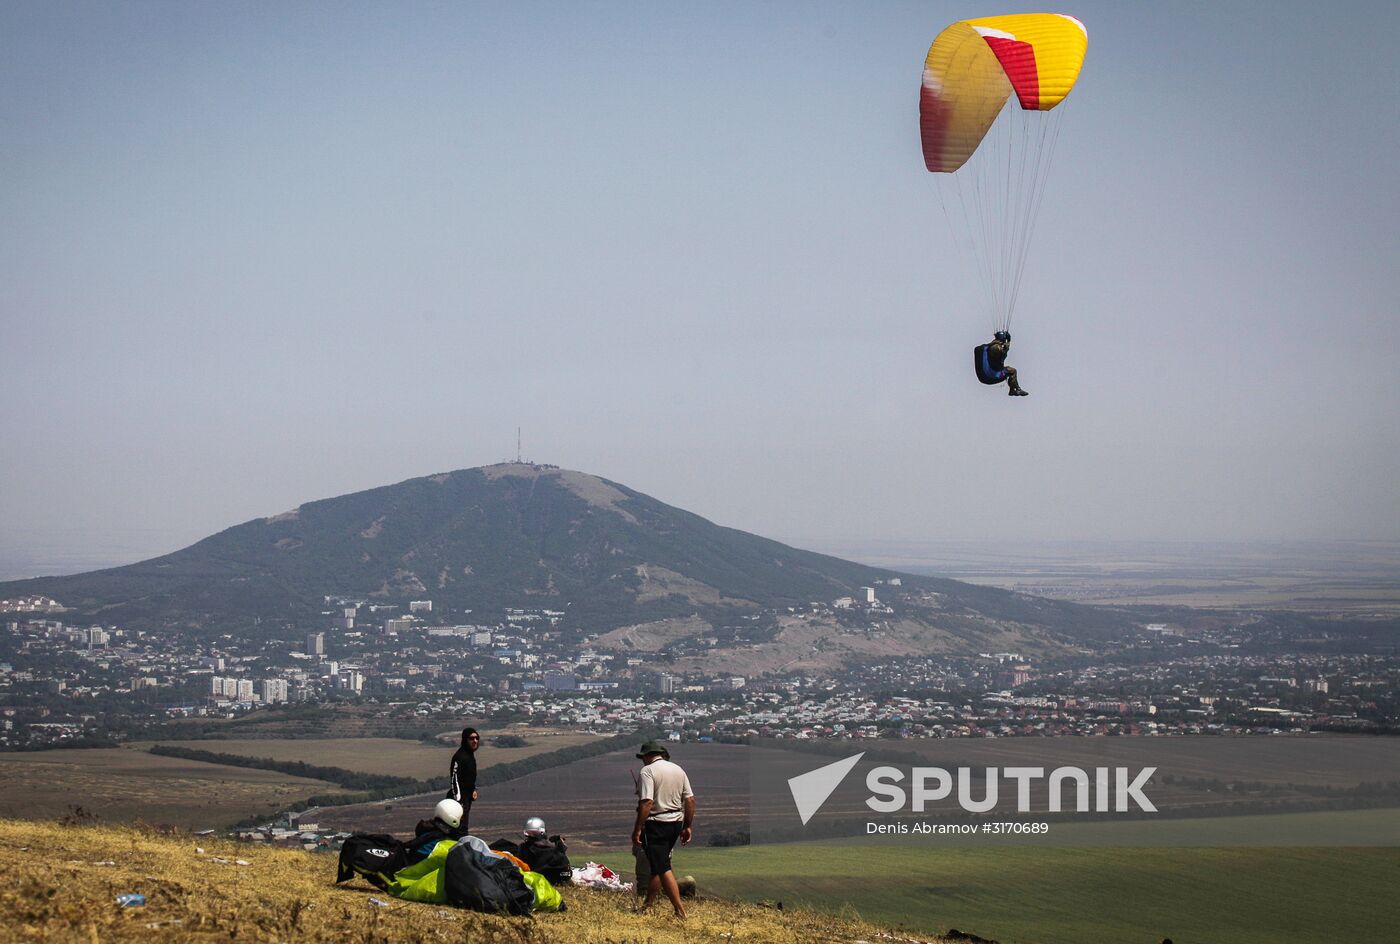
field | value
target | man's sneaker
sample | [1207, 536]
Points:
[1018, 392]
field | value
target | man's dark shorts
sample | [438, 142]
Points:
[658, 839]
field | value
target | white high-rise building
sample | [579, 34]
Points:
[315, 644]
[245, 690]
[274, 691]
[223, 687]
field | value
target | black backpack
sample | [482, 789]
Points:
[376, 858]
[549, 858]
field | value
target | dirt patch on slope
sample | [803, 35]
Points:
[819, 645]
[659, 582]
[652, 637]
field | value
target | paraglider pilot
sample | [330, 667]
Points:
[990, 362]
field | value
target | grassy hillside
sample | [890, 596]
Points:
[62, 883]
[1115, 895]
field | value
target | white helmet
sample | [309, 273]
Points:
[534, 828]
[449, 811]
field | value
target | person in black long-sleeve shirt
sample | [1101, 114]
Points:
[462, 777]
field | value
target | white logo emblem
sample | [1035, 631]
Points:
[811, 790]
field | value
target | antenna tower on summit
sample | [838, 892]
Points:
[517, 445]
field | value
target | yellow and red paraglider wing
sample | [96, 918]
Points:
[1042, 54]
[964, 90]
[973, 67]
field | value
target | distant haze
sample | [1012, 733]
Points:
[257, 255]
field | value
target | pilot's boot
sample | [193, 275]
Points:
[1017, 392]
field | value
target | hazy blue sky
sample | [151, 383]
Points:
[254, 254]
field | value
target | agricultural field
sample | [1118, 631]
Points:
[120, 785]
[1194, 776]
[385, 755]
[1110, 895]
[590, 801]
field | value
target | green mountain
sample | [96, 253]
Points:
[510, 535]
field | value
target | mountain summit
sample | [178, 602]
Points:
[508, 535]
[514, 534]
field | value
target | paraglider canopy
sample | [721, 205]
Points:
[966, 117]
[974, 66]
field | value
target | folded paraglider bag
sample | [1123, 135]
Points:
[547, 897]
[480, 845]
[549, 858]
[424, 880]
[506, 845]
[376, 858]
[486, 883]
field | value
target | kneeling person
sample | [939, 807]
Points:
[445, 824]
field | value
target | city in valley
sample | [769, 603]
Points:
[64, 683]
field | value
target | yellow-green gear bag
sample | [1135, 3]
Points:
[547, 897]
[424, 881]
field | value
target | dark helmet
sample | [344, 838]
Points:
[1003, 336]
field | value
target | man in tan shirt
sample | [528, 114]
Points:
[665, 811]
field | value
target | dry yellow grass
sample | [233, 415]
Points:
[59, 884]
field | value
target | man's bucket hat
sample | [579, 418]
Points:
[653, 747]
